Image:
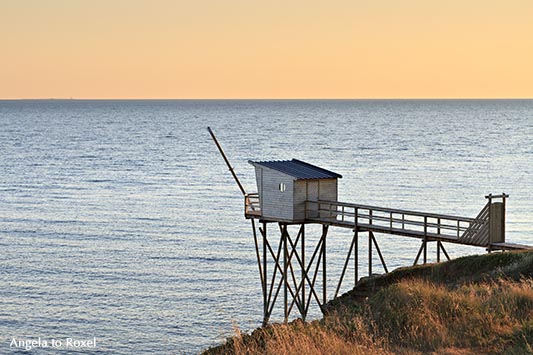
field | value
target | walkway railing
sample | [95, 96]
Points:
[486, 230]
[389, 220]
[479, 231]
[252, 205]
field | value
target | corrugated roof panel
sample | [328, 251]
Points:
[298, 169]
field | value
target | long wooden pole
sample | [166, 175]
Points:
[226, 160]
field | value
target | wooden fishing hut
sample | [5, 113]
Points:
[297, 193]
[285, 186]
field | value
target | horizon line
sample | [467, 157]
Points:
[263, 99]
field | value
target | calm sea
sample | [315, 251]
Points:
[119, 220]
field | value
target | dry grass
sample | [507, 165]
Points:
[412, 316]
[301, 338]
[491, 316]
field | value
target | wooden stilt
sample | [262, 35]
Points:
[304, 274]
[438, 251]
[258, 257]
[265, 303]
[324, 276]
[356, 256]
[285, 281]
[369, 254]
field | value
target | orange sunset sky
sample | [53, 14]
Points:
[266, 49]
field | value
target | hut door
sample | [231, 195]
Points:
[312, 195]
[312, 190]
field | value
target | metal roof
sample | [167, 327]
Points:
[298, 169]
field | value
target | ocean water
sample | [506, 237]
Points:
[120, 222]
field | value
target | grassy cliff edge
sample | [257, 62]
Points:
[479, 304]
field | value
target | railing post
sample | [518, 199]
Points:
[324, 278]
[369, 253]
[356, 251]
[504, 197]
[489, 197]
[425, 239]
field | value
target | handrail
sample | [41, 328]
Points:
[390, 219]
[252, 204]
[503, 195]
[479, 230]
[465, 230]
[394, 210]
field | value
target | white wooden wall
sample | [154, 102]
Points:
[275, 203]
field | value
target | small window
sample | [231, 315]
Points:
[282, 187]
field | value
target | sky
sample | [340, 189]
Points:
[221, 49]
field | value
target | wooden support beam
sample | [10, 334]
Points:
[285, 264]
[288, 264]
[312, 286]
[444, 251]
[345, 267]
[265, 304]
[295, 292]
[258, 257]
[294, 251]
[282, 281]
[379, 252]
[419, 253]
[271, 301]
[283, 274]
[312, 292]
[303, 272]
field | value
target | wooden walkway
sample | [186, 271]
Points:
[478, 231]
[421, 225]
